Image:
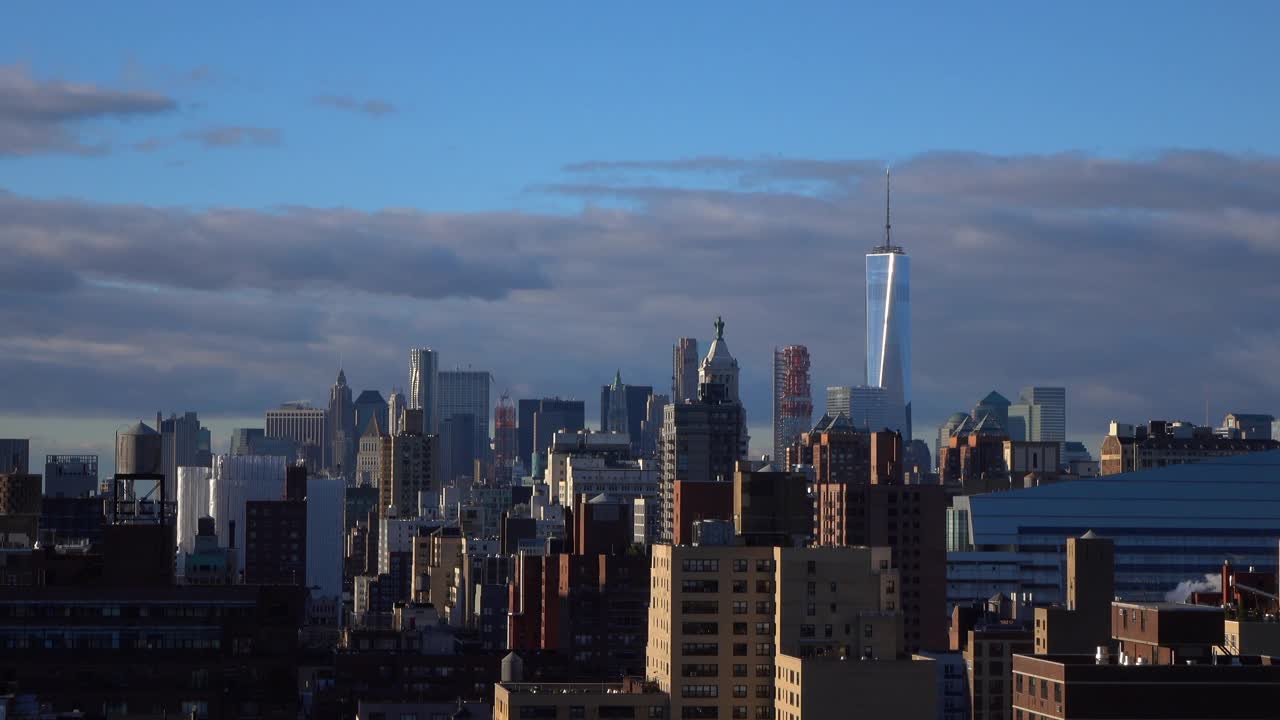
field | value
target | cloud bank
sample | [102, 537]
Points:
[1144, 285]
[48, 116]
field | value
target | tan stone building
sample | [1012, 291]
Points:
[570, 701]
[828, 687]
[720, 615]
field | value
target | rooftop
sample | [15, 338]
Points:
[618, 688]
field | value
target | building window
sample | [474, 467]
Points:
[739, 565]
[739, 586]
[739, 691]
[739, 628]
[739, 648]
[700, 691]
[764, 649]
[763, 692]
[700, 565]
[739, 670]
[764, 565]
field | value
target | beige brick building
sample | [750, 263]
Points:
[720, 615]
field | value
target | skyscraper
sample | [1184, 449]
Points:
[995, 405]
[465, 392]
[540, 419]
[684, 370]
[889, 326]
[504, 438]
[306, 426]
[395, 411]
[864, 405]
[637, 400]
[424, 387]
[1048, 418]
[613, 407]
[180, 443]
[342, 424]
[701, 441]
[369, 404]
[792, 398]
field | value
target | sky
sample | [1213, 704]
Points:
[215, 210]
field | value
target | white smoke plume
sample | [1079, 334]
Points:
[1212, 582]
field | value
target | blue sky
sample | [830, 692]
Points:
[493, 98]
[206, 207]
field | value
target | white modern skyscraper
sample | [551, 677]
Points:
[889, 327]
[424, 389]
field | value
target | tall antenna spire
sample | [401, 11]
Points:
[886, 206]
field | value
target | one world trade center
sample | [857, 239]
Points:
[889, 327]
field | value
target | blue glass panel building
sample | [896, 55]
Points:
[1170, 525]
[889, 332]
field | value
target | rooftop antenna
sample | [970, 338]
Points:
[886, 206]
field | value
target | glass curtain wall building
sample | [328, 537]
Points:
[889, 332]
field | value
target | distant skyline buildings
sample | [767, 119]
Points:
[466, 392]
[341, 427]
[888, 327]
[792, 398]
[684, 370]
[424, 368]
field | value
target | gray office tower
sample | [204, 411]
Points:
[540, 419]
[1046, 420]
[180, 445]
[71, 476]
[15, 456]
[862, 404]
[634, 407]
[684, 370]
[369, 404]
[424, 392]
[889, 327]
[342, 427]
[466, 392]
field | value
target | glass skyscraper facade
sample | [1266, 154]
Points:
[889, 333]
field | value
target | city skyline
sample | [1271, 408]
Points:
[1031, 252]
[666, 360]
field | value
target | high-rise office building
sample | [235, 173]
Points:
[792, 398]
[540, 420]
[889, 326]
[179, 445]
[424, 389]
[994, 405]
[70, 475]
[864, 405]
[369, 404]
[702, 441]
[395, 411]
[341, 426]
[457, 447]
[465, 392]
[1021, 417]
[613, 406]
[628, 417]
[15, 455]
[1048, 418]
[684, 370]
[305, 425]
